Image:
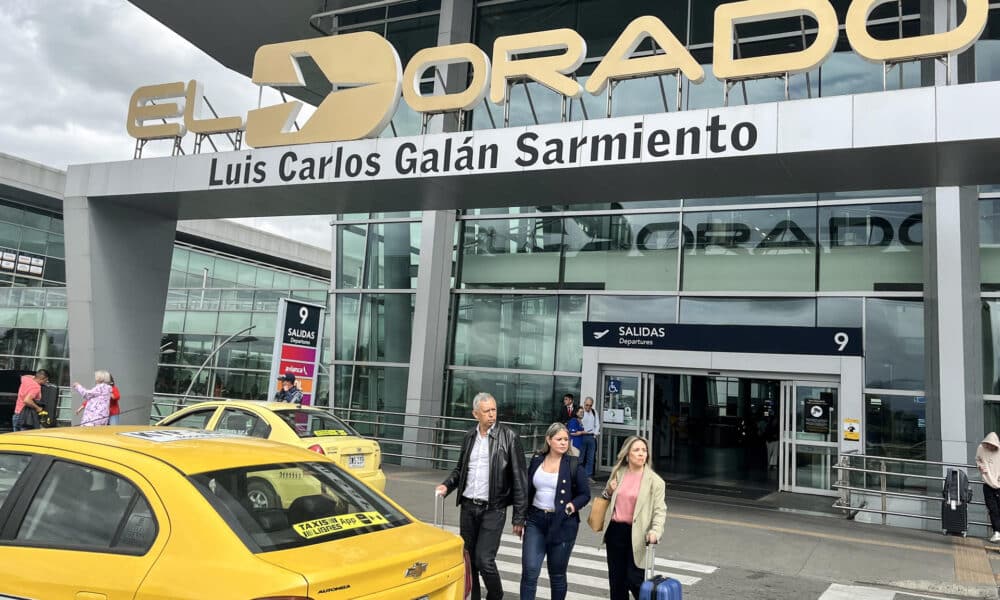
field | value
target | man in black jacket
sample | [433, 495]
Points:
[490, 476]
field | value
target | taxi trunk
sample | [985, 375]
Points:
[359, 457]
[415, 561]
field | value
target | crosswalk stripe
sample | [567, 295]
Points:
[543, 578]
[584, 563]
[544, 593]
[661, 563]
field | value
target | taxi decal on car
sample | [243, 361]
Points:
[328, 525]
[329, 432]
[175, 435]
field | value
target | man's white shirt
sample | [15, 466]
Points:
[590, 422]
[477, 486]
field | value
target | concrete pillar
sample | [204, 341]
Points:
[952, 324]
[428, 350]
[117, 272]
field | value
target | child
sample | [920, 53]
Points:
[96, 401]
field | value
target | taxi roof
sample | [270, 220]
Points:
[188, 450]
[268, 404]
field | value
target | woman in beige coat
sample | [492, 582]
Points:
[638, 509]
[988, 461]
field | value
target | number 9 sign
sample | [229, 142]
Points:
[841, 339]
[303, 315]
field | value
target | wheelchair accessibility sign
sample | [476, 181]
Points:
[614, 386]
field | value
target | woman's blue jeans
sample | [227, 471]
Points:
[535, 548]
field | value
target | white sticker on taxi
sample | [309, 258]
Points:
[331, 525]
[174, 435]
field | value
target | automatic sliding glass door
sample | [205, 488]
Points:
[625, 409]
[809, 434]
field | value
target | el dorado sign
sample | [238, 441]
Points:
[367, 76]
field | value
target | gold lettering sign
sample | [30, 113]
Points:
[367, 80]
[955, 41]
[440, 57]
[549, 71]
[207, 126]
[364, 63]
[618, 64]
[727, 16]
[139, 110]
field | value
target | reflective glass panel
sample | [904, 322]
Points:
[350, 255]
[520, 398]
[799, 312]
[876, 247]
[894, 344]
[638, 309]
[754, 250]
[518, 253]
[896, 426]
[393, 256]
[513, 332]
[622, 252]
[569, 346]
[991, 347]
[346, 325]
[387, 322]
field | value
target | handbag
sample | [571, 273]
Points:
[598, 512]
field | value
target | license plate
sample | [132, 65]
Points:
[356, 461]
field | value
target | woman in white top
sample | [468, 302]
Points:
[557, 490]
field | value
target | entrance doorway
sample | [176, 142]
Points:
[739, 435]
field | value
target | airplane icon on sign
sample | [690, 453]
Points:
[599, 334]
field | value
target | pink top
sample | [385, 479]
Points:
[29, 388]
[628, 491]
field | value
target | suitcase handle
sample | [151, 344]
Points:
[650, 561]
[438, 510]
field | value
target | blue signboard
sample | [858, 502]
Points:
[614, 386]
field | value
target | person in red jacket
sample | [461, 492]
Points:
[113, 409]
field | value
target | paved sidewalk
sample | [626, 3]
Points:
[720, 548]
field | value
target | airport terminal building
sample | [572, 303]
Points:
[723, 249]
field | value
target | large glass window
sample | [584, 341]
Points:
[991, 346]
[386, 325]
[519, 253]
[989, 242]
[521, 398]
[772, 249]
[896, 426]
[894, 344]
[877, 247]
[622, 252]
[506, 331]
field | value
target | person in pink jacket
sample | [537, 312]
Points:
[988, 461]
[96, 403]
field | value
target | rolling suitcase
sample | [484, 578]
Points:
[657, 587]
[957, 493]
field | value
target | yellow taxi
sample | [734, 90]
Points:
[309, 427]
[151, 513]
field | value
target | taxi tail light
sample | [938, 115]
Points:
[317, 449]
[468, 574]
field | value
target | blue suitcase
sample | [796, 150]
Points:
[657, 587]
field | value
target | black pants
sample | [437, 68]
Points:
[992, 498]
[623, 575]
[481, 529]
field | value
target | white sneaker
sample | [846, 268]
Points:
[996, 537]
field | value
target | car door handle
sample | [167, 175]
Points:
[91, 596]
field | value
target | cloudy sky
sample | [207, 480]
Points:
[68, 69]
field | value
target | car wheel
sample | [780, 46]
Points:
[261, 495]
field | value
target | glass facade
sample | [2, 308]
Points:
[600, 23]
[211, 297]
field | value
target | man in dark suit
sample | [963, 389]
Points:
[568, 409]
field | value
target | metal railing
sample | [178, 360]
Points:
[885, 478]
[402, 436]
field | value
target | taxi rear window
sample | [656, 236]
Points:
[290, 505]
[309, 423]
